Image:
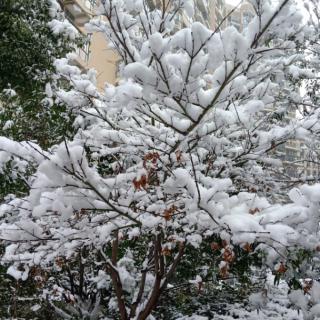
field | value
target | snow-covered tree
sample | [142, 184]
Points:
[30, 43]
[170, 178]
[35, 34]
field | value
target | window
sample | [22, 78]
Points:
[234, 20]
[246, 18]
[291, 155]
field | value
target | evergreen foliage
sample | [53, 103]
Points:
[28, 49]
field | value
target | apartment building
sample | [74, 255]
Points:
[202, 12]
[210, 12]
[218, 11]
[95, 53]
[311, 156]
[241, 17]
[297, 158]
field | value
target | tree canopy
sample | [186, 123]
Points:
[28, 49]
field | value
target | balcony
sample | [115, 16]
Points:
[78, 11]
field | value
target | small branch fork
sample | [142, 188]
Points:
[162, 272]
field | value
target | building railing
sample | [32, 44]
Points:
[84, 50]
[84, 4]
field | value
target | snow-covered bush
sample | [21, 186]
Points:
[174, 164]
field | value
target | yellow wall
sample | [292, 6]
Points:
[103, 59]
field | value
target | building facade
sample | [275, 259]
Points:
[299, 160]
[218, 11]
[95, 53]
[241, 17]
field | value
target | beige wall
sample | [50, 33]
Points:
[217, 13]
[101, 57]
